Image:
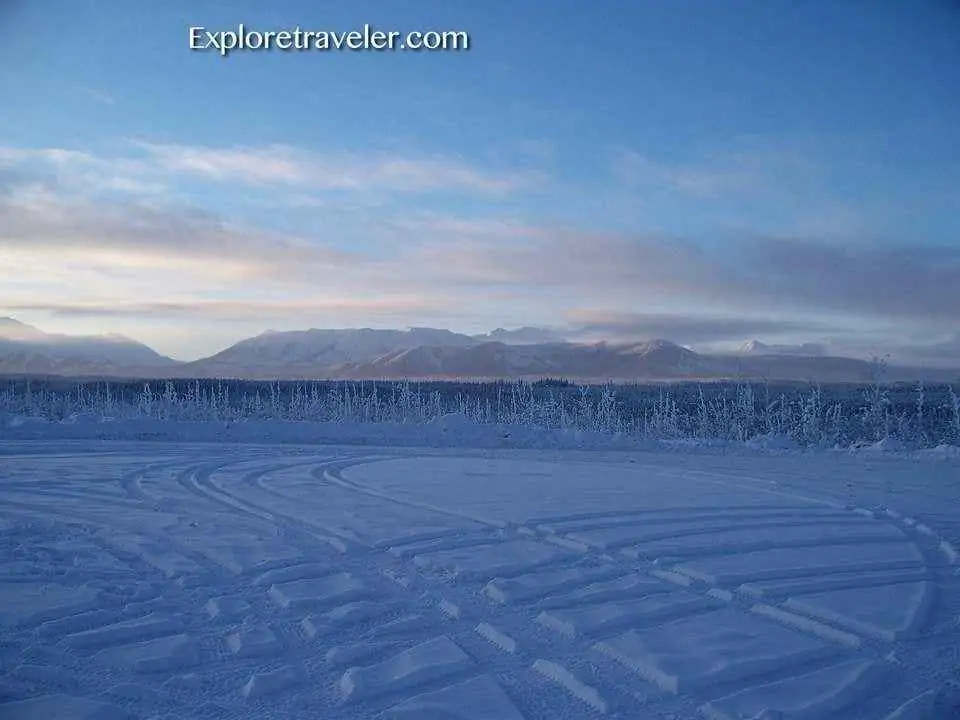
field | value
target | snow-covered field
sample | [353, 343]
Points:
[189, 580]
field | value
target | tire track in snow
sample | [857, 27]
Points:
[276, 622]
[818, 624]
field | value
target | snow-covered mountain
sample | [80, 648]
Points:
[437, 354]
[755, 347]
[15, 331]
[521, 336]
[26, 350]
[429, 353]
[658, 360]
[303, 353]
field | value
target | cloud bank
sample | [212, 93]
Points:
[97, 238]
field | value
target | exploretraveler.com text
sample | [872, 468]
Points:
[225, 42]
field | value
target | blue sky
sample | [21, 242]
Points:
[705, 171]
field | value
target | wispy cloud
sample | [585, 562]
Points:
[806, 276]
[141, 235]
[76, 173]
[638, 171]
[543, 259]
[748, 187]
[791, 275]
[909, 281]
[243, 311]
[285, 165]
[88, 236]
[688, 329]
[719, 174]
[151, 168]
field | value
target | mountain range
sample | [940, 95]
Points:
[428, 353]
[26, 350]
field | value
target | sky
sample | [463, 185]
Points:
[708, 172]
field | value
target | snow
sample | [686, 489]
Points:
[793, 587]
[211, 580]
[720, 646]
[270, 682]
[63, 706]
[480, 698]
[411, 668]
[313, 593]
[485, 562]
[227, 607]
[804, 624]
[252, 640]
[163, 655]
[604, 618]
[916, 708]
[141, 628]
[581, 595]
[500, 639]
[800, 562]
[894, 614]
[536, 585]
[571, 684]
[34, 602]
[815, 694]
[760, 538]
[349, 614]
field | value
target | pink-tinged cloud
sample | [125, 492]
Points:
[288, 166]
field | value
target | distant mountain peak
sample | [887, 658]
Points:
[526, 335]
[661, 344]
[11, 329]
[424, 353]
[755, 347]
[118, 338]
[25, 349]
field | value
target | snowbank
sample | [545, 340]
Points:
[452, 430]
